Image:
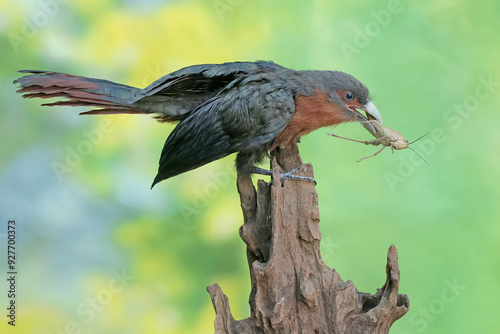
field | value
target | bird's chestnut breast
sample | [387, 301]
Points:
[311, 113]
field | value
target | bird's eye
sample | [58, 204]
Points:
[349, 96]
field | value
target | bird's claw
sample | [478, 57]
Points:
[290, 176]
[285, 176]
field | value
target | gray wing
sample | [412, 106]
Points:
[177, 94]
[239, 120]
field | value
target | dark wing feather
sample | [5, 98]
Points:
[240, 119]
[257, 115]
[177, 94]
[196, 141]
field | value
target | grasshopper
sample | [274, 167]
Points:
[384, 136]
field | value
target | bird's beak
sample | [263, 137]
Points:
[372, 113]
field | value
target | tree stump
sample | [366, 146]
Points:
[293, 291]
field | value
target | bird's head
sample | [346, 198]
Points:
[354, 99]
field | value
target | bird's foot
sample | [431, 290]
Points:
[284, 176]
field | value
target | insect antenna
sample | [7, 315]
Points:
[419, 138]
[419, 155]
[416, 151]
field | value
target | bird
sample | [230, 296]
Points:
[248, 108]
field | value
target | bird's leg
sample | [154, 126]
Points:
[284, 176]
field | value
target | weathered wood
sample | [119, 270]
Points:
[293, 291]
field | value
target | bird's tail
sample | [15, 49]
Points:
[109, 97]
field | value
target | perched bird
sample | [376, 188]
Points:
[245, 107]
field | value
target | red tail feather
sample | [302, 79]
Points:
[79, 91]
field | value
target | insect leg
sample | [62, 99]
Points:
[374, 154]
[374, 142]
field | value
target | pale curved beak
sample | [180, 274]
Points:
[371, 110]
[372, 113]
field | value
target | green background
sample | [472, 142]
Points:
[425, 63]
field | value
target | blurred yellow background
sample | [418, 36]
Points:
[99, 252]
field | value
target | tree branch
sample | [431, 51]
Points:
[293, 291]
